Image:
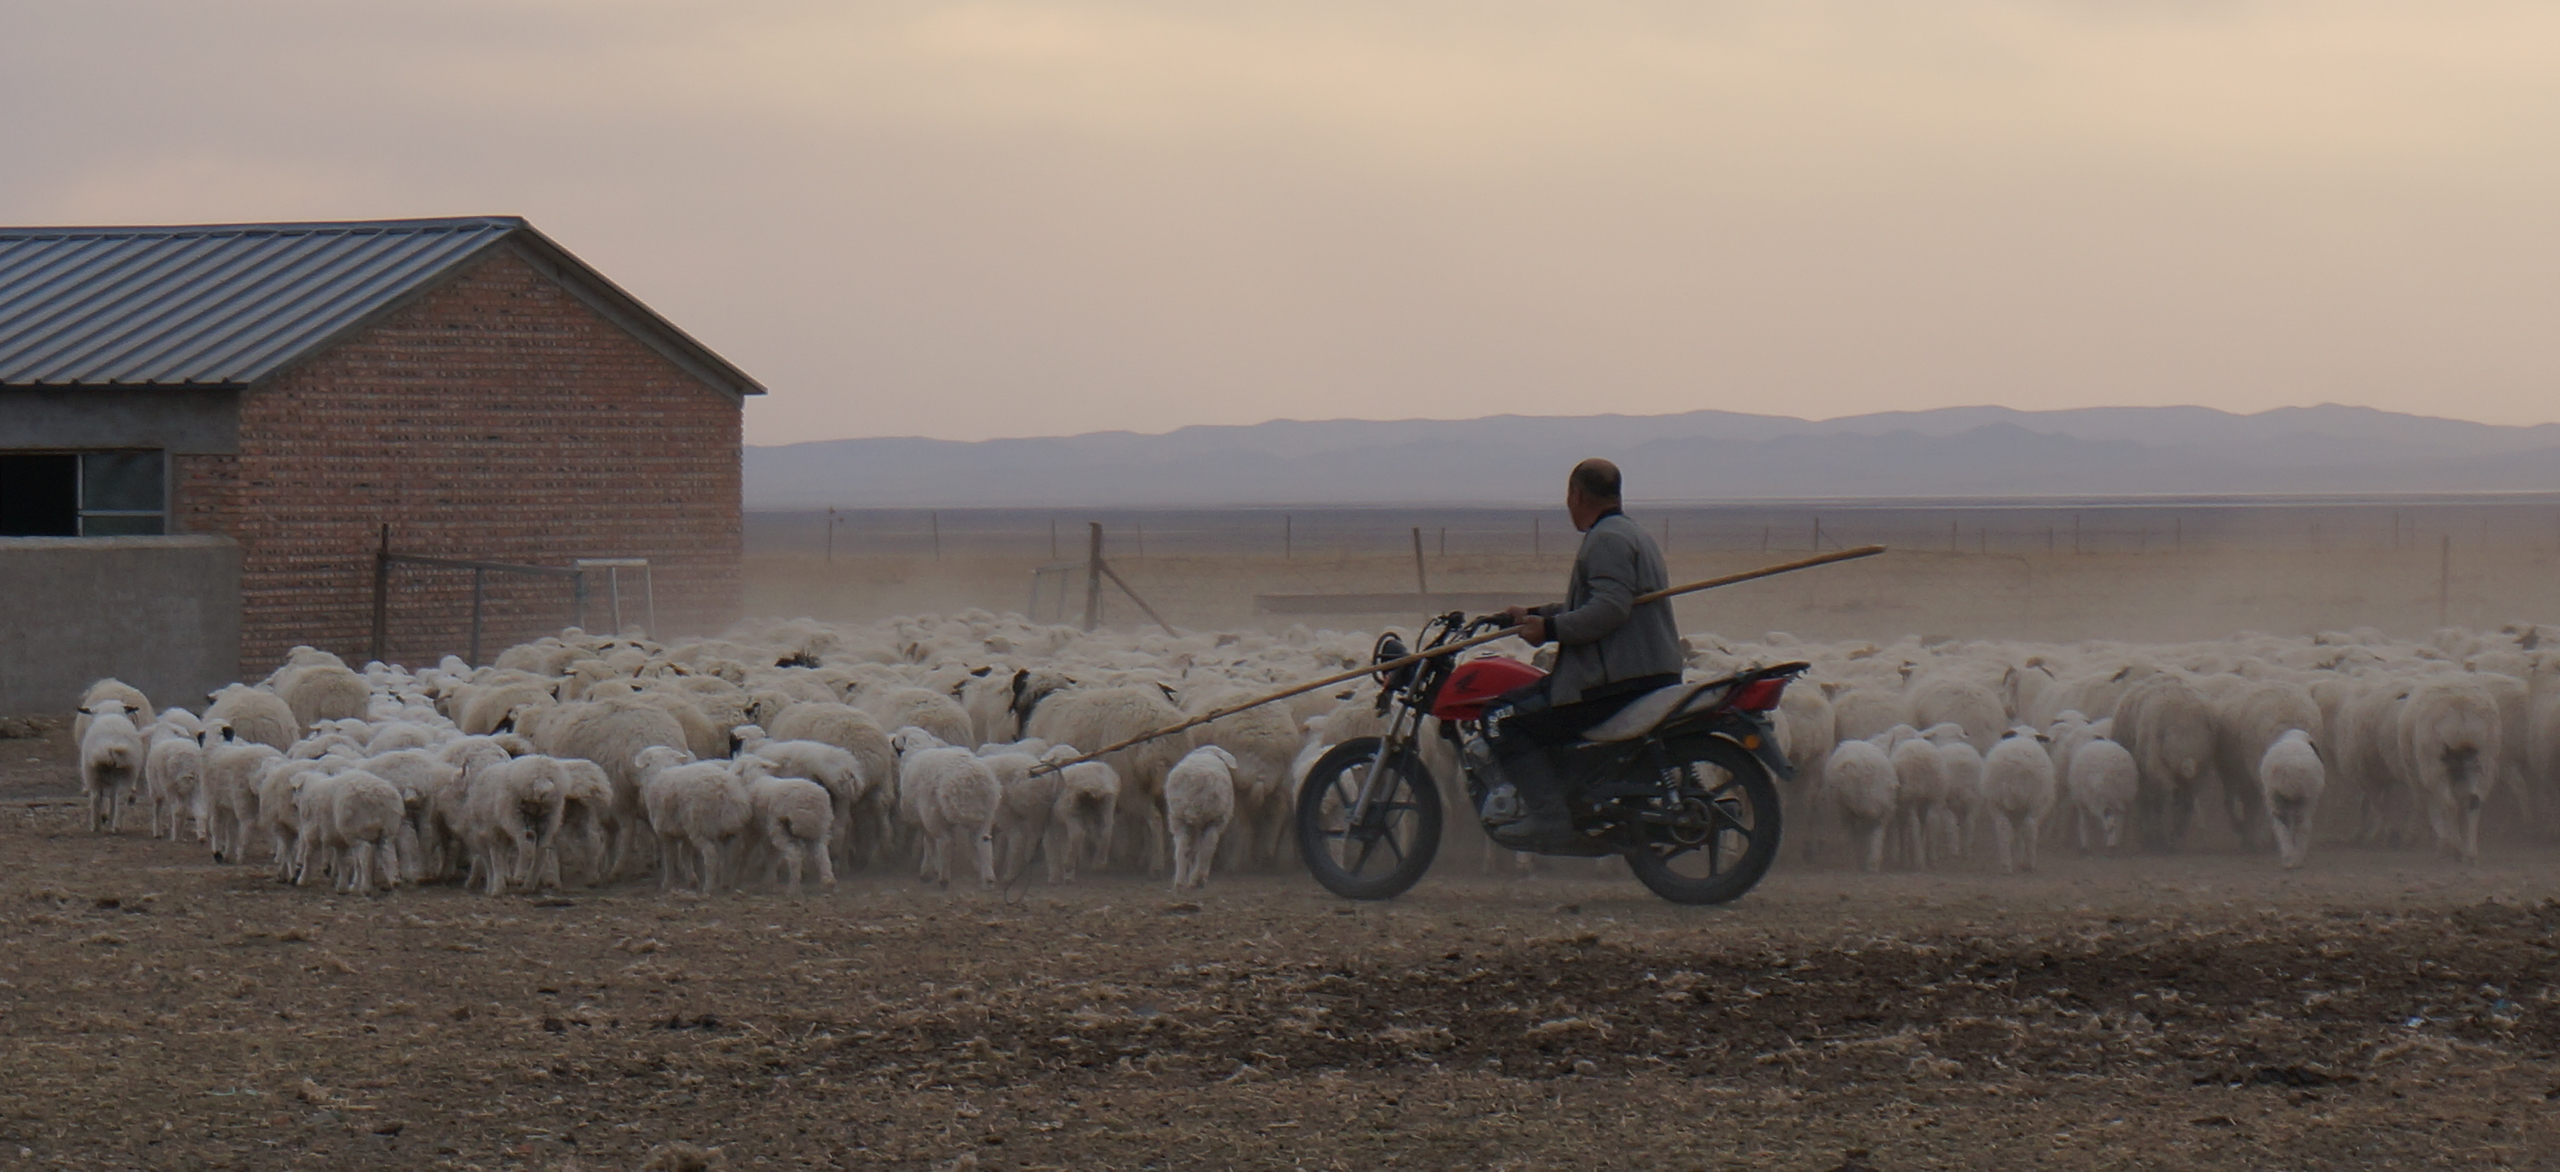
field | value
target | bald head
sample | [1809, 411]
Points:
[1597, 480]
[1591, 491]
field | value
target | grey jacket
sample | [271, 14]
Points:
[1601, 636]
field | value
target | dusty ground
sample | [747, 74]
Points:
[2378, 1010]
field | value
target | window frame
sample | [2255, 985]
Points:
[81, 513]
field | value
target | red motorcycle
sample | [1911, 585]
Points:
[1678, 781]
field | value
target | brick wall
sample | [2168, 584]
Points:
[496, 418]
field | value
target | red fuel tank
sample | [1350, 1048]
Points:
[1476, 682]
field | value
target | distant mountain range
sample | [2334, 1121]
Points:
[1698, 456]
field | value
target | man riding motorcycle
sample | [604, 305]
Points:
[1609, 651]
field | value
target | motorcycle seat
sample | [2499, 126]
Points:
[1648, 712]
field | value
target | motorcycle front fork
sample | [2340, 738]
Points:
[1403, 722]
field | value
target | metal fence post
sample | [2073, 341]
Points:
[381, 593]
[1093, 580]
[479, 584]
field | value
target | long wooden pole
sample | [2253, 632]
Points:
[1864, 551]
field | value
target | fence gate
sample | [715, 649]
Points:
[572, 612]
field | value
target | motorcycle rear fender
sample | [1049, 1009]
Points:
[1751, 735]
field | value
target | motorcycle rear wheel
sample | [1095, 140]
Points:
[1387, 854]
[1721, 836]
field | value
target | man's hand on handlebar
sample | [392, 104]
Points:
[1533, 627]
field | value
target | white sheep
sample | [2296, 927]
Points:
[1960, 779]
[110, 688]
[847, 783]
[701, 805]
[355, 817]
[111, 763]
[1921, 770]
[173, 772]
[2018, 785]
[2450, 739]
[795, 818]
[1264, 742]
[227, 801]
[1082, 821]
[870, 828]
[506, 812]
[1199, 801]
[1107, 716]
[315, 685]
[612, 734]
[1862, 786]
[2169, 726]
[1029, 805]
[952, 797]
[935, 712]
[2291, 776]
[253, 714]
[2104, 784]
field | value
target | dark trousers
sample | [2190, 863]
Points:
[1534, 721]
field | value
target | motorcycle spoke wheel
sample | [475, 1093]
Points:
[1387, 852]
[1715, 839]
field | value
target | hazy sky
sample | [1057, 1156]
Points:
[974, 219]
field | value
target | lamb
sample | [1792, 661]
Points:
[1199, 800]
[2450, 739]
[952, 797]
[1863, 787]
[111, 763]
[2291, 776]
[1081, 823]
[356, 818]
[796, 820]
[2104, 785]
[253, 714]
[697, 804]
[2017, 780]
[173, 771]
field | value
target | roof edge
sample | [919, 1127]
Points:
[39, 232]
[634, 315]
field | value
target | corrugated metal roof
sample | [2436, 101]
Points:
[230, 304]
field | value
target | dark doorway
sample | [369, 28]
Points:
[40, 495]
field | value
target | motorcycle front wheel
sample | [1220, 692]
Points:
[1387, 852]
[1714, 840]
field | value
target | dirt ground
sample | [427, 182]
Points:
[2375, 1010]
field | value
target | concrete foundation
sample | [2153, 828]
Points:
[159, 613]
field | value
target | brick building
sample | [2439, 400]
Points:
[295, 387]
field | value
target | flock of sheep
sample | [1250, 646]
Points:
[1909, 748]
[792, 748]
